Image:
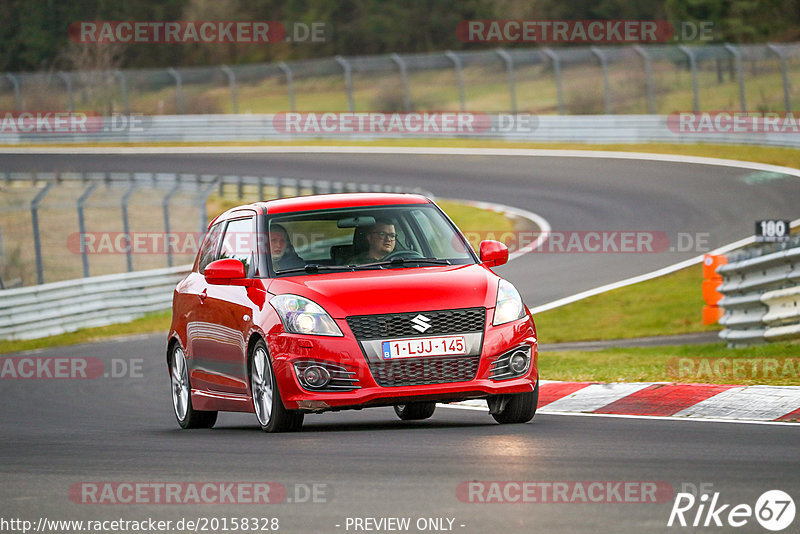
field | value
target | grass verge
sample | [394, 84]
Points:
[776, 364]
[152, 322]
[670, 304]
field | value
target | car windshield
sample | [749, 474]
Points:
[362, 238]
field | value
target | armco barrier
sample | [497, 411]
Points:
[51, 309]
[523, 128]
[66, 306]
[21, 220]
[762, 297]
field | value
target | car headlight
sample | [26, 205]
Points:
[509, 305]
[303, 316]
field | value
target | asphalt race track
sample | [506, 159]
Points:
[57, 434]
[580, 194]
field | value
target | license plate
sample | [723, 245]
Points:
[424, 347]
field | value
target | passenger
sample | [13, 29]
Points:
[381, 239]
[281, 249]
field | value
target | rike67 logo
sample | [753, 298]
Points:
[774, 510]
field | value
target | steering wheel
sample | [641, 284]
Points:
[402, 254]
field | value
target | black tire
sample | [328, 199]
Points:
[185, 413]
[415, 411]
[520, 408]
[271, 415]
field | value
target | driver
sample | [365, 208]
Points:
[280, 247]
[381, 239]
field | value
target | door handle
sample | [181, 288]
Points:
[202, 296]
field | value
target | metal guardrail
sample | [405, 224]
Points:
[761, 297]
[25, 229]
[59, 307]
[65, 306]
[526, 128]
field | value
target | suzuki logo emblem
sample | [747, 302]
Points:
[421, 323]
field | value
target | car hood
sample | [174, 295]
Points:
[395, 290]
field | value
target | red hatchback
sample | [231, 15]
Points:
[332, 302]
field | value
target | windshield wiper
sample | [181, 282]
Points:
[312, 268]
[404, 261]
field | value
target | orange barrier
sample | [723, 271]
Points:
[710, 294]
[712, 314]
[711, 281]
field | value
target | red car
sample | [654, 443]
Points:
[344, 301]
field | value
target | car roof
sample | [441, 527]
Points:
[323, 202]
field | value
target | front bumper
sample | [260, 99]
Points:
[286, 349]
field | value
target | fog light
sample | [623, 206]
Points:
[316, 376]
[518, 362]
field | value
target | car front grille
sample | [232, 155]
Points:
[425, 371]
[395, 325]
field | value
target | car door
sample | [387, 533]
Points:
[223, 317]
[189, 312]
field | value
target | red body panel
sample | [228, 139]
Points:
[324, 202]
[346, 351]
[216, 323]
[395, 290]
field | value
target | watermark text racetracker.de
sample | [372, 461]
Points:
[594, 241]
[197, 31]
[734, 122]
[564, 492]
[44, 122]
[714, 369]
[198, 492]
[583, 31]
[548, 242]
[148, 242]
[148, 524]
[423, 123]
[37, 367]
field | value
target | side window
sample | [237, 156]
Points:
[239, 242]
[210, 246]
[406, 239]
[431, 234]
[438, 236]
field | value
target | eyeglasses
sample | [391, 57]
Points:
[384, 235]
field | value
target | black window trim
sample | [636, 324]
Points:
[265, 218]
[215, 255]
[253, 268]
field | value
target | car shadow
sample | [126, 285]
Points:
[367, 426]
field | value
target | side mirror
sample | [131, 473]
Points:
[223, 271]
[492, 253]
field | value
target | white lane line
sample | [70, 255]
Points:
[626, 416]
[473, 404]
[670, 418]
[343, 149]
[535, 218]
[643, 156]
[649, 276]
[595, 396]
[480, 404]
[761, 403]
[452, 151]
